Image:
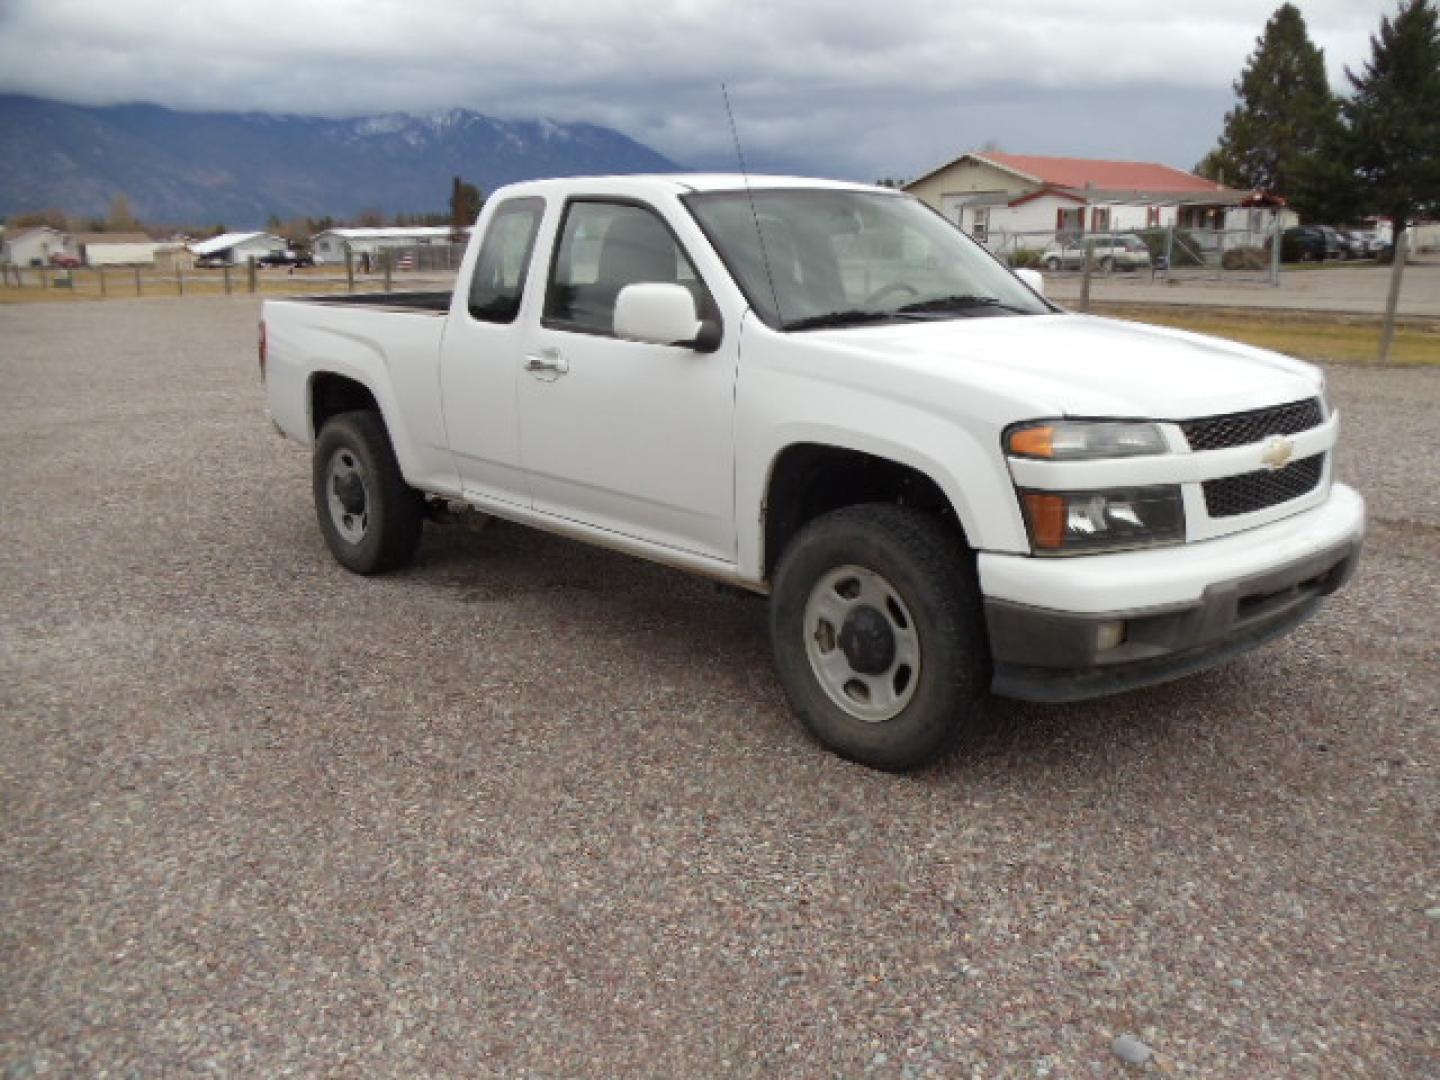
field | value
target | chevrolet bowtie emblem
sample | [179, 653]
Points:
[1278, 452]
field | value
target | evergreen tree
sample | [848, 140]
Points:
[465, 202]
[1394, 116]
[1283, 134]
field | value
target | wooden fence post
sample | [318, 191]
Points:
[100, 270]
[227, 279]
[349, 269]
[137, 281]
[388, 261]
[252, 273]
[179, 279]
[1085, 276]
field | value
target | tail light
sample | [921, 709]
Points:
[263, 350]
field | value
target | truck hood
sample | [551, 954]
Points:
[1080, 365]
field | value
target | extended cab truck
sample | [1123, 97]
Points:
[826, 393]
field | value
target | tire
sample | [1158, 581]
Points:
[919, 579]
[1052, 264]
[1106, 264]
[370, 518]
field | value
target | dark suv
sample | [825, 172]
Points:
[1310, 243]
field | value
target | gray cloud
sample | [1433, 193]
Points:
[890, 88]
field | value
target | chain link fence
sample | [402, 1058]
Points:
[1185, 254]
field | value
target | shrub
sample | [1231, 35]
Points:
[1022, 257]
[1245, 258]
[1184, 252]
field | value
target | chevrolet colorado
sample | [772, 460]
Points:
[947, 486]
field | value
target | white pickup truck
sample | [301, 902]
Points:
[824, 392]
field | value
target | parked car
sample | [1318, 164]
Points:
[1309, 243]
[946, 485]
[288, 257]
[63, 261]
[211, 262]
[1337, 242]
[1123, 251]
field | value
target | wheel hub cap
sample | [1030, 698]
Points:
[350, 490]
[862, 643]
[348, 496]
[868, 642]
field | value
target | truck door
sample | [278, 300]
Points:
[633, 438]
[480, 357]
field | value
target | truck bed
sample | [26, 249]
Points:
[436, 303]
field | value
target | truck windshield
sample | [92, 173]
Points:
[846, 258]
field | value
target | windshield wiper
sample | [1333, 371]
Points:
[959, 302]
[850, 317]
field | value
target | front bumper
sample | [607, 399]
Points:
[1183, 608]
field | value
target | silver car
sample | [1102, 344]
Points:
[1113, 251]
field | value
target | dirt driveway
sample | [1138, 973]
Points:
[532, 809]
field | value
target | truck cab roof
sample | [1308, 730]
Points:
[675, 184]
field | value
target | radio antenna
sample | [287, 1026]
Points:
[750, 195]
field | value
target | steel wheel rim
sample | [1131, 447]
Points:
[839, 599]
[347, 495]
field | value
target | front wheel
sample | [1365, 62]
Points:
[370, 518]
[878, 635]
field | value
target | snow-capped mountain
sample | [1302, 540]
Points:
[239, 168]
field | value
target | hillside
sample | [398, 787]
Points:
[239, 168]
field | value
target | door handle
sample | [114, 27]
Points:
[547, 360]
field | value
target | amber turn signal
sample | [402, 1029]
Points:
[1035, 441]
[1047, 515]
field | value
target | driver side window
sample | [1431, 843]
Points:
[604, 247]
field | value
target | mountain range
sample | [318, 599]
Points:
[240, 168]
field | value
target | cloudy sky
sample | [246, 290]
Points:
[859, 90]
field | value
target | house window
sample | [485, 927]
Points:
[980, 223]
[1069, 223]
[1152, 217]
[1100, 219]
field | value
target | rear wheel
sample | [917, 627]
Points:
[370, 518]
[878, 635]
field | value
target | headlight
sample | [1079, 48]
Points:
[1085, 522]
[1076, 440]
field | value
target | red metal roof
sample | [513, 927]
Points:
[1076, 173]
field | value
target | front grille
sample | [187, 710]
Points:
[1248, 492]
[1241, 429]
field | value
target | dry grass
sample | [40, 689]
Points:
[1311, 335]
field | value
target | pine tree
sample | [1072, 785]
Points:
[1281, 136]
[1394, 115]
[465, 202]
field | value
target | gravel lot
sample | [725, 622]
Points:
[531, 809]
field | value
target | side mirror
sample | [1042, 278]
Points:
[663, 314]
[1033, 278]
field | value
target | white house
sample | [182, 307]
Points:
[35, 247]
[236, 248]
[116, 249]
[1023, 200]
[329, 246]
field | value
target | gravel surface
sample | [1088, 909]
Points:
[532, 809]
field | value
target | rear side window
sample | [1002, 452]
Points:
[504, 260]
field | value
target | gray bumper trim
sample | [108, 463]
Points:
[1045, 655]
